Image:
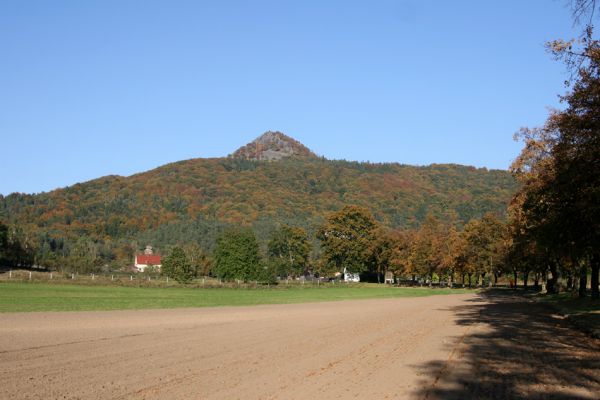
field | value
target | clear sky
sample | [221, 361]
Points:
[92, 88]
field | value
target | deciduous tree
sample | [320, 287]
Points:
[177, 266]
[237, 256]
[290, 249]
[426, 254]
[346, 238]
[389, 252]
[199, 260]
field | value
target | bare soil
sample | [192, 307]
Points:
[454, 346]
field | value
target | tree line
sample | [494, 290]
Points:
[440, 251]
[555, 214]
[352, 240]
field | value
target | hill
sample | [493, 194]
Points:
[194, 200]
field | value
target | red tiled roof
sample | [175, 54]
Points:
[147, 259]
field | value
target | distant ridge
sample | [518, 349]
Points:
[272, 146]
[195, 200]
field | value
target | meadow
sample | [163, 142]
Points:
[28, 297]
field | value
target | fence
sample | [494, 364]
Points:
[139, 279]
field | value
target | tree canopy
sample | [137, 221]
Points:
[237, 256]
[347, 237]
[176, 265]
[555, 214]
[290, 249]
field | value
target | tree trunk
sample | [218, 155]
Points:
[516, 276]
[536, 282]
[492, 273]
[525, 279]
[595, 261]
[463, 279]
[583, 281]
[552, 284]
[544, 279]
[470, 284]
[570, 282]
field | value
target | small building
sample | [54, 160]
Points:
[148, 259]
[350, 276]
[389, 277]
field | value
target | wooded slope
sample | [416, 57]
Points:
[297, 191]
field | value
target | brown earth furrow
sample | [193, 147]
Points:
[456, 346]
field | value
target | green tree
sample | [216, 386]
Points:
[346, 239]
[177, 266]
[19, 246]
[290, 249]
[237, 256]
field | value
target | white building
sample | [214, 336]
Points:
[148, 259]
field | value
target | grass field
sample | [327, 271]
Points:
[27, 297]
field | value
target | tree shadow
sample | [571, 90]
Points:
[514, 348]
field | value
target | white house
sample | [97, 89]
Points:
[350, 276]
[143, 261]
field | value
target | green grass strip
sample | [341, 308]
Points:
[28, 297]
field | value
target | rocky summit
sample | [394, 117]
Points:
[272, 146]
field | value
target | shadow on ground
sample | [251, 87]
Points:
[514, 348]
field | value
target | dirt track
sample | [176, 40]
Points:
[433, 347]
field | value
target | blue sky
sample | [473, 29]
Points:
[89, 89]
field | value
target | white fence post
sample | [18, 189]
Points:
[130, 277]
[10, 274]
[50, 275]
[29, 275]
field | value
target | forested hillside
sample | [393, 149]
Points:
[194, 200]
